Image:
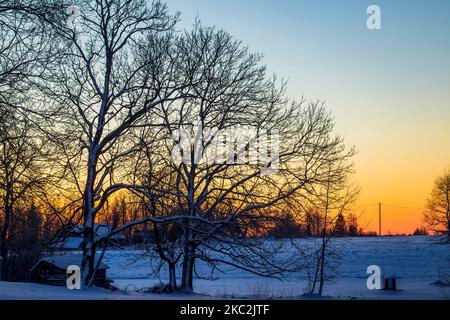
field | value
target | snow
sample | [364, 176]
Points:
[101, 230]
[32, 291]
[415, 261]
[71, 243]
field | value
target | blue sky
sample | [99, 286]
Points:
[388, 89]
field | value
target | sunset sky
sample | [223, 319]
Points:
[388, 89]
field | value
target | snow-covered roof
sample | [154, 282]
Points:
[63, 261]
[71, 243]
[101, 230]
[73, 239]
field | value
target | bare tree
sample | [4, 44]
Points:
[23, 173]
[220, 203]
[25, 55]
[121, 71]
[120, 65]
[25, 48]
[152, 171]
[334, 198]
[437, 215]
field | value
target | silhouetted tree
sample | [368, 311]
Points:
[353, 228]
[25, 243]
[119, 64]
[437, 215]
[332, 199]
[340, 227]
[420, 232]
[286, 226]
[23, 173]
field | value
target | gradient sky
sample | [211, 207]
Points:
[389, 89]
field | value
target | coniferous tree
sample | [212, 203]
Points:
[340, 227]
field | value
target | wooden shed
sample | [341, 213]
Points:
[52, 270]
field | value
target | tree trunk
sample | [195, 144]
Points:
[316, 275]
[189, 247]
[188, 268]
[88, 244]
[448, 231]
[88, 260]
[4, 245]
[4, 255]
[172, 277]
[322, 267]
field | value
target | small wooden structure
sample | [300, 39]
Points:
[390, 283]
[52, 270]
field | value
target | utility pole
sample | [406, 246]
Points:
[379, 219]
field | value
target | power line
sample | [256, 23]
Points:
[402, 207]
[386, 205]
[368, 205]
[389, 205]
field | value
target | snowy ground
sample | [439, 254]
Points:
[416, 261]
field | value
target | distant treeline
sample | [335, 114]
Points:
[309, 225]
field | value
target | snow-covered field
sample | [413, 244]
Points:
[416, 261]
